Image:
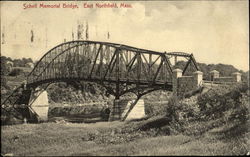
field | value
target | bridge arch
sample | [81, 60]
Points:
[117, 67]
[102, 62]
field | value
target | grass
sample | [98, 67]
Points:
[47, 138]
[25, 69]
[102, 138]
[165, 133]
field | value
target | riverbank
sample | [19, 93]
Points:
[102, 138]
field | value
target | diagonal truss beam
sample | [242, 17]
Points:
[92, 69]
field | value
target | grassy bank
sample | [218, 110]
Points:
[215, 122]
[103, 139]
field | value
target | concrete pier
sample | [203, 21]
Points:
[39, 105]
[122, 106]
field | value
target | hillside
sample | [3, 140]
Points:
[223, 69]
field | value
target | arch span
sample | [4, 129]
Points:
[119, 68]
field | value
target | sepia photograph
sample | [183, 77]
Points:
[125, 78]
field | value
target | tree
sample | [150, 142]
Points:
[22, 62]
[4, 72]
[224, 69]
[27, 60]
[16, 72]
[17, 63]
[4, 69]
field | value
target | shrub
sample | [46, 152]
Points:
[220, 106]
[174, 111]
[219, 101]
[16, 72]
[4, 84]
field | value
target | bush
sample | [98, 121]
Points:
[4, 84]
[74, 94]
[220, 106]
[16, 72]
[227, 101]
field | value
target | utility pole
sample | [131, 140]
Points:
[72, 34]
[87, 31]
[96, 31]
[46, 37]
[3, 37]
[108, 35]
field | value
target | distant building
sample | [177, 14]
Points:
[9, 65]
[30, 65]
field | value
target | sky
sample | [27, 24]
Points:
[214, 31]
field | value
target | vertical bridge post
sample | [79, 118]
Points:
[176, 73]
[127, 109]
[198, 77]
[236, 76]
[214, 74]
[115, 113]
[39, 104]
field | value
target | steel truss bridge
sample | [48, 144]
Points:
[119, 68]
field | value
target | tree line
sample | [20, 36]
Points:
[224, 69]
[7, 63]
